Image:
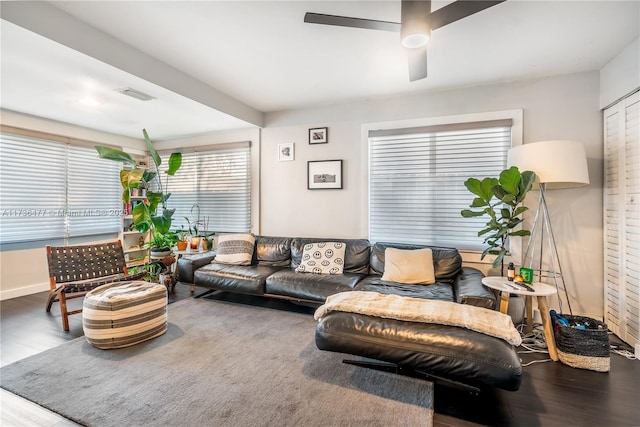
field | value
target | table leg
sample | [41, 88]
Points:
[504, 302]
[529, 304]
[548, 328]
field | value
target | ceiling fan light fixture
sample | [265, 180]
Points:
[415, 29]
[416, 40]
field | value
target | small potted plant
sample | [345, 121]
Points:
[182, 236]
[161, 244]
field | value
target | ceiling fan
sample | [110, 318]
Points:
[415, 29]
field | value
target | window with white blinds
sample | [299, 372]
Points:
[52, 190]
[416, 181]
[214, 183]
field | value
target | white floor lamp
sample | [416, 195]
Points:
[558, 164]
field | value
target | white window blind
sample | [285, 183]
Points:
[52, 190]
[218, 181]
[94, 193]
[622, 218]
[416, 181]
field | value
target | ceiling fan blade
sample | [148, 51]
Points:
[458, 10]
[345, 21]
[417, 63]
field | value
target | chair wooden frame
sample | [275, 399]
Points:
[75, 270]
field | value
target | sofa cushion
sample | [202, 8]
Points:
[322, 258]
[273, 251]
[188, 264]
[447, 262]
[410, 266]
[234, 278]
[356, 257]
[235, 249]
[313, 287]
[438, 291]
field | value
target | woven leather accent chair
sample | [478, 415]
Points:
[75, 270]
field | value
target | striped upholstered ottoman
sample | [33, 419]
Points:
[123, 314]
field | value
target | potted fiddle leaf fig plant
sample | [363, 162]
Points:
[146, 216]
[501, 199]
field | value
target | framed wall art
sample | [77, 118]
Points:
[318, 136]
[285, 152]
[324, 175]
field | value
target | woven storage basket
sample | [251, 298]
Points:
[583, 348]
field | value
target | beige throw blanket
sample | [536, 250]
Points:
[396, 307]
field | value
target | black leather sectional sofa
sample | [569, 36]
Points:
[455, 354]
[272, 273]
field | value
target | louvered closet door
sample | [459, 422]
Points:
[622, 218]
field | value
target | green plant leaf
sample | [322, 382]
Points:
[114, 154]
[478, 202]
[466, 213]
[473, 185]
[141, 217]
[148, 176]
[498, 191]
[510, 179]
[520, 233]
[175, 161]
[154, 200]
[527, 179]
[499, 258]
[154, 153]
[506, 213]
[161, 223]
[484, 231]
[520, 210]
[485, 188]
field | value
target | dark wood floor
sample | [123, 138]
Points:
[552, 394]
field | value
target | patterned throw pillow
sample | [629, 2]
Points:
[322, 258]
[236, 249]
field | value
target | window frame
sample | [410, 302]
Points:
[516, 116]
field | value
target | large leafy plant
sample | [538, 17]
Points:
[501, 199]
[153, 215]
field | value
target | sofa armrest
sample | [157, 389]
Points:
[468, 289]
[189, 263]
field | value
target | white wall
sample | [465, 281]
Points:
[620, 76]
[24, 272]
[563, 107]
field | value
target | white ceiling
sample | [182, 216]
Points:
[264, 56]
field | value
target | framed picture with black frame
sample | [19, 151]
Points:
[318, 136]
[324, 175]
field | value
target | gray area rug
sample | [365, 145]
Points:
[219, 364]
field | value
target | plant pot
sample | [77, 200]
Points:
[182, 245]
[159, 253]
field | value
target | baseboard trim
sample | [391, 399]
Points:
[25, 290]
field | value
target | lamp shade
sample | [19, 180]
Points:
[557, 163]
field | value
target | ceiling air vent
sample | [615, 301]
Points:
[135, 94]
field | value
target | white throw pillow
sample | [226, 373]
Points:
[235, 249]
[410, 266]
[322, 258]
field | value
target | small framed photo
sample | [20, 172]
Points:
[318, 136]
[324, 175]
[285, 152]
